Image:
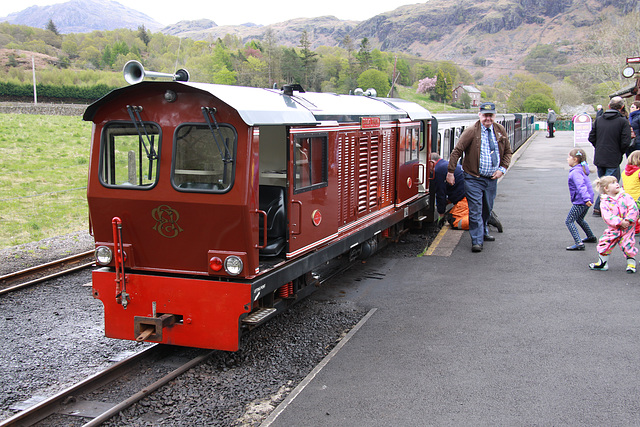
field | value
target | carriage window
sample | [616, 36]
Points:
[130, 154]
[204, 158]
[310, 162]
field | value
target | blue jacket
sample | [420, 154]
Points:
[445, 191]
[580, 187]
[634, 120]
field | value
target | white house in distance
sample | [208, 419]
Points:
[469, 90]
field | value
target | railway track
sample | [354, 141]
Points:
[31, 276]
[130, 380]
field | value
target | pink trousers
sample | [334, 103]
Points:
[624, 237]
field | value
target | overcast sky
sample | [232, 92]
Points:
[224, 12]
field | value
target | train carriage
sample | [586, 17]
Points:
[212, 206]
[448, 127]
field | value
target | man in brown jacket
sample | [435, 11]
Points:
[487, 154]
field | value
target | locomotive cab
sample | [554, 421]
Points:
[212, 206]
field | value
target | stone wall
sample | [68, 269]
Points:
[42, 108]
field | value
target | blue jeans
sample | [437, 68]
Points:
[481, 192]
[606, 172]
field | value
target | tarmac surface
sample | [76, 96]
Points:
[523, 333]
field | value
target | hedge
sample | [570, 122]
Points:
[89, 93]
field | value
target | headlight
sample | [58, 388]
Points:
[233, 265]
[104, 255]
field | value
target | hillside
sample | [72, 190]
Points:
[498, 33]
[487, 38]
[83, 16]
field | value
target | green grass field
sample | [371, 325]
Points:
[43, 177]
[43, 174]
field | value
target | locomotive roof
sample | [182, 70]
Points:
[259, 106]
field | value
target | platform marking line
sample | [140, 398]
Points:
[432, 247]
[296, 391]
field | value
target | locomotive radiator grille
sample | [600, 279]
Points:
[374, 172]
[387, 168]
[347, 177]
[363, 173]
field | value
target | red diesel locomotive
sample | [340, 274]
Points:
[212, 206]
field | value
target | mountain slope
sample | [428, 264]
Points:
[83, 16]
[473, 34]
[498, 33]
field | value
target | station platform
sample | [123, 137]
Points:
[523, 333]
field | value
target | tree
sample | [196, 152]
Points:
[465, 99]
[224, 76]
[545, 58]
[403, 69]
[449, 87]
[291, 66]
[52, 27]
[566, 93]
[257, 70]
[107, 57]
[273, 55]
[379, 60]
[307, 56]
[538, 103]
[425, 70]
[143, 35]
[70, 47]
[364, 55]
[427, 84]
[521, 87]
[440, 91]
[375, 79]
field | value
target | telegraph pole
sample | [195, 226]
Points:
[33, 67]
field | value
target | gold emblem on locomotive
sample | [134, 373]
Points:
[166, 221]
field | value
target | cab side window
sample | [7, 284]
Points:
[310, 162]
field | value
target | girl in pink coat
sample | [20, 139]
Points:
[620, 213]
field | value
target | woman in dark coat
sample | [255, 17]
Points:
[634, 120]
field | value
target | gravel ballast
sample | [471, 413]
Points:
[53, 336]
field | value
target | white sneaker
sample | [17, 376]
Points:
[602, 266]
[631, 265]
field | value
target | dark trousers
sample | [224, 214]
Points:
[550, 128]
[605, 172]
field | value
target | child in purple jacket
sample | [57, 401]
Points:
[582, 198]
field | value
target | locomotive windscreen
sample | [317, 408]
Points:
[130, 154]
[204, 158]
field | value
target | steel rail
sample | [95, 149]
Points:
[49, 406]
[17, 276]
[54, 404]
[147, 390]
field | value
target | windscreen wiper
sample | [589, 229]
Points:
[209, 116]
[134, 114]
